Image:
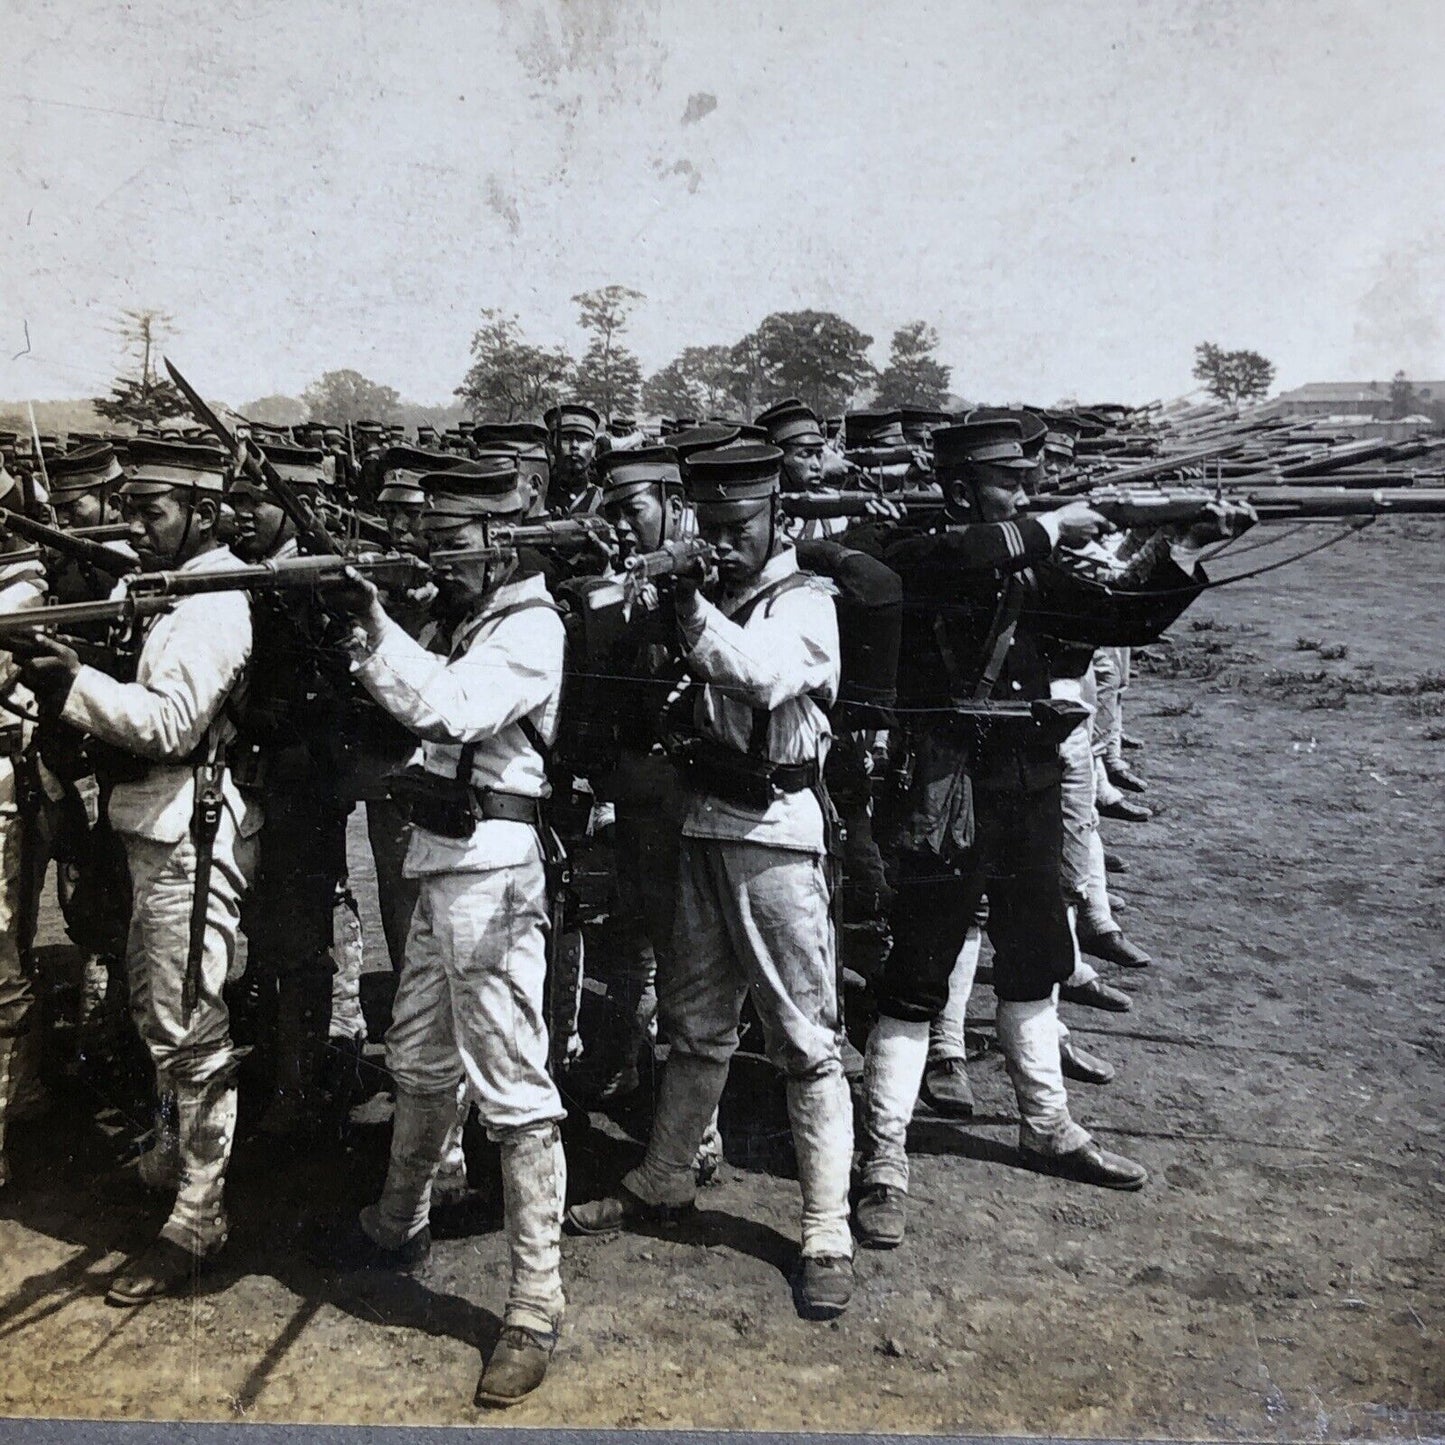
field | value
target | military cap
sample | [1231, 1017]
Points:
[572, 416]
[83, 470]
[524, 435]
[623, 472]
[998, 442]
[790, 421]
[404, 464]
[701, 439]
[302, 467]
[621, 425]
[873, 429]
[922, 420]
[745, 473]
[368, 428]
[1033, 428]
[426, 435]
[488, 485]
[8, 439]
[1063, 433]
[162, 465]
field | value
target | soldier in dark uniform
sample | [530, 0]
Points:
[298, 688]
[572, 430]
[979, 804]
[642, 498]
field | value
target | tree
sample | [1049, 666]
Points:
[1403, 401]
[510, 379]
[813, 355]
[913, 376]
[696, 383]
[276, 410]
[1232, 376]
[609, 376]
[148, 398]
[343, 396]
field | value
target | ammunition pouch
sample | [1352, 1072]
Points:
[746, 779]
[12, 740]
[452, 807]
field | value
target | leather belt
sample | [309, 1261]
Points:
[508, 807]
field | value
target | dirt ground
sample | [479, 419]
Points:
[1280, 1076]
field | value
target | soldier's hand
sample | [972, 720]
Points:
[48, 668]
[1220, 521]
[886, 509]
[353, 596]
[1075, 523]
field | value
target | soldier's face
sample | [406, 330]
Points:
[259, 525]
[83, 509]
[165, 530]
[575, 451]
[802, 466]
[1000, 493]
[403, 523]
[639, 518]
[742, 533]
[460, 586]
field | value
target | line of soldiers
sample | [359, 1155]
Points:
[795, 734]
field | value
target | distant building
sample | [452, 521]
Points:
[1354, 398]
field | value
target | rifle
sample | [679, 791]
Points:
[856, 503]
[147, 593]
[1081, 480]
[1151, 507]
[691, 557]
[101, 532]
[310, 532]
[78, 549]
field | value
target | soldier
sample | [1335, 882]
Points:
[483, 699]
[642, 498]
[22, 589]
[188, 833]
[754, 901]
[377, 745]
[286, 753]
[980, 807]
[572, 439]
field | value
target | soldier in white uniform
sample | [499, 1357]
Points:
[22, 589]
[188, 878]
[483, 698]
[754, 902]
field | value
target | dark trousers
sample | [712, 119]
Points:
[1015, 861]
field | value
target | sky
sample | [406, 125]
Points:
[1073, 192]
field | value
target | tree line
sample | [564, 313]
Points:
[814, 355]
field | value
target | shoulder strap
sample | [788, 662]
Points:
[1000, 639]
[762, 717]
[528, 728]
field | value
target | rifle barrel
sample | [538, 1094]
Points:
[104, 559]
[810, 505]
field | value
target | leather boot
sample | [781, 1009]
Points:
[419, 1130]
[687, 1100]
[302, 1024]
[518, 1365]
